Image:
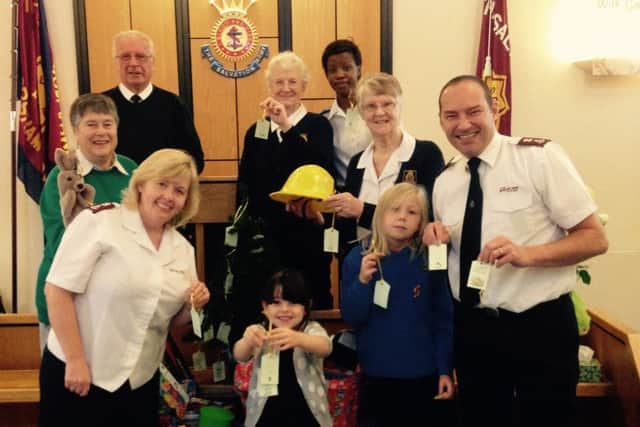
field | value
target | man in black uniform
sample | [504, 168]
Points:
[151, 118]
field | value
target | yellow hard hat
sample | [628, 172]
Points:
[308, 181]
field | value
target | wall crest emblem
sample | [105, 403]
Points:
[233, 38]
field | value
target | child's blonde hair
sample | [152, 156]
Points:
[390, 198]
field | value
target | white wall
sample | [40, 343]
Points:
[594, 119]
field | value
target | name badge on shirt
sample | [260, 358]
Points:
[438, 257]
[331, 238]
[381, 293]
[479, 275]
[196, 320]
[262, 129]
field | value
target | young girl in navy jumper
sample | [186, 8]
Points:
[402, 315]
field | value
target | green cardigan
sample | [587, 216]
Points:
[108, 184]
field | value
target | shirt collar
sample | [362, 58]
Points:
[336, 110]
[144, 94]
[490, 153]
[401, 154]
[132, 221]
[293, 118]
[85, 166]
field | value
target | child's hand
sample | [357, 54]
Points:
[445, 387]
[284, 338]
[255, 336]
[369, 266]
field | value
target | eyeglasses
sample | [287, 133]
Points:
[372, 107]
[127, 58]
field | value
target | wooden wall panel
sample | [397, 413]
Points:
[157, 18]
[104, 19]
[251, 91]
[360, 21]
[214, 108]
[263, 14]
[220, 168]
[313, 27]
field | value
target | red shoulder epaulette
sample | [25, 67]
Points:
[538, 142]
[102, 207]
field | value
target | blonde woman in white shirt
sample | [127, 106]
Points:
[121, 277]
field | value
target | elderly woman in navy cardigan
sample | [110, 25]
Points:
[393, 156]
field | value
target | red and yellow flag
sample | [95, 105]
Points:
[40, 129]
[494, 63]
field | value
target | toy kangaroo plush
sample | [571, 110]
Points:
[75, 194]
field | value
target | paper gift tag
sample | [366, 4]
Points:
[331, 239]
[262, 129]
[381, 293]
[267, 390]
[438, 257]
[219, 371]
[196, 320]
[199, 361]
[223, 332]
[208, 334]
[231, 236]
[269, 365]
[479, 275]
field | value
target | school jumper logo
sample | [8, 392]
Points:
[233, 38]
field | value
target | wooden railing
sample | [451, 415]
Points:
[618, 350]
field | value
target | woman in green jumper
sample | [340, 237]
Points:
[94, 118]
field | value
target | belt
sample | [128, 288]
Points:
[494, 312]
[501, 313]
[485, 311]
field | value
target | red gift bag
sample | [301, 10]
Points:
[342, 391]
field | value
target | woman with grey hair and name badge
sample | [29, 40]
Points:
[393, 156]
[121, 276]
[287, 137]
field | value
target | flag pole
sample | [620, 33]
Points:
[14, 156]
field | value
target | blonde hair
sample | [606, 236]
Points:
[379, 84]
[135, 35]
[287, 60]
[390, 198]
[164, 164]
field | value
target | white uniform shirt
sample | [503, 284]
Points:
[531, 195]
[372, 185]
[350, 136]
[127, 292]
